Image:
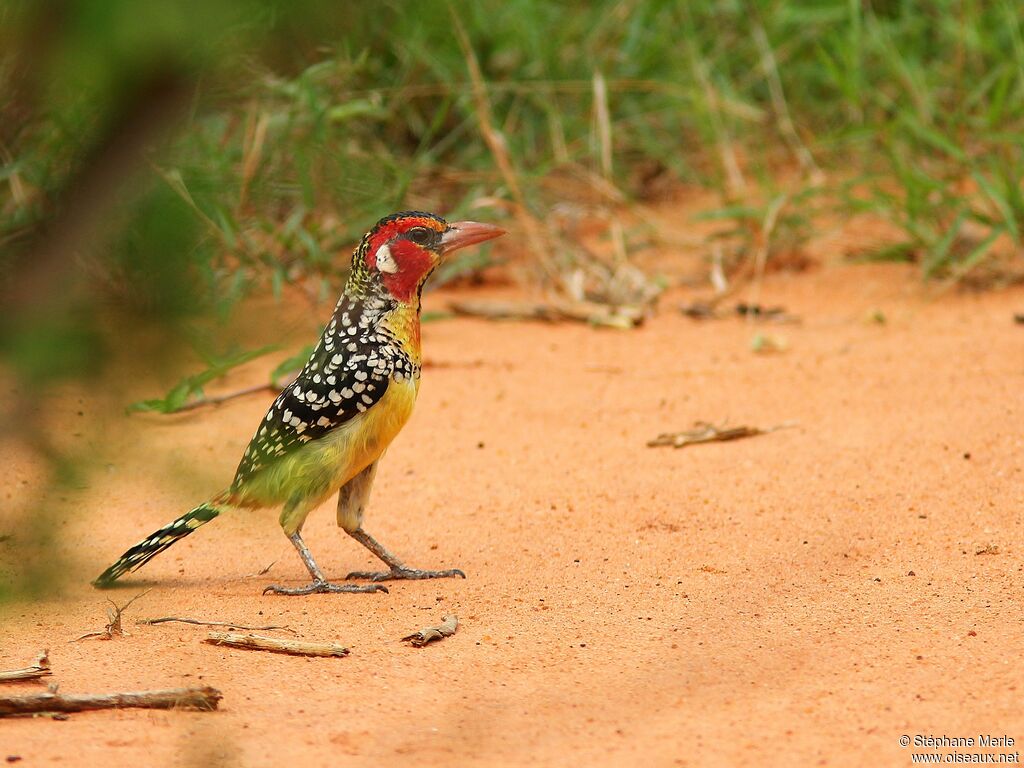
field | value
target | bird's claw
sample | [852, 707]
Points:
[404, 573]
[323, 587]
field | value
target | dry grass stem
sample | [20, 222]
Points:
[499, 151]
[602, 117]
[771, 218]
[229, 625]
[781, 108]
[553, 311]
[252, 153]
[734, 176]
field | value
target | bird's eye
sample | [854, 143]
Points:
[419, 235]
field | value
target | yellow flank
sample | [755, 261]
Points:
[303, 480]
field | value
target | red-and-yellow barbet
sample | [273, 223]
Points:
[329, 427]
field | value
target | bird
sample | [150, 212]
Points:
[328, 428]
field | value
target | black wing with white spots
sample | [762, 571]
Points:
[346, 375]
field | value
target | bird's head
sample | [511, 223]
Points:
[401, 250]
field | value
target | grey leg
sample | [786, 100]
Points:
[319, 583]
[397, 569]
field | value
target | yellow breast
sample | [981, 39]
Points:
[357, 444]
[304, 479]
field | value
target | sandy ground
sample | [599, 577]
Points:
[801, 598]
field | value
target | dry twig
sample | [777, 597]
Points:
[704, 432]
[426, 635]
[204, 698]
[551, 312]
[228, 624]
[113, 621]
[706, 310]
[202, 402]
[40, 669]
[276, 644]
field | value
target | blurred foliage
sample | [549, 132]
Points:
[308, 120]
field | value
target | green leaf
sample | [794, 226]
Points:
[939, 255]
[742, 212]
[361, 108]
[434, 315]
[932, 137]
[1000, 202]
[190, 388]
[968, 262]
[291, 365]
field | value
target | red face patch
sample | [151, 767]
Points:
[414, 261]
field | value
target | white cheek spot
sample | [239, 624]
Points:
[385, 261]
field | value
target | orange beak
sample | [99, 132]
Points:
[463, 233]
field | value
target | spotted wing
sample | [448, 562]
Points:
[345, 376]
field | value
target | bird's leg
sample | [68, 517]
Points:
[319, 584]
[397, 569]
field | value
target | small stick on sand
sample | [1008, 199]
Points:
[261, 572]
[704, 432]
[228, 624]
[40, 669]
[429, 634]
[113, 621]
[276, 644]
[205, 698]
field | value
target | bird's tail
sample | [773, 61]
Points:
[157, 542]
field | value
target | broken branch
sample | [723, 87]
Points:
[704, 432]
[205, 698]
[276, 644]
[426, 635]
[40, 669]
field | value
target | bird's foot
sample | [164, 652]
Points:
[402, 572]
[323, 587]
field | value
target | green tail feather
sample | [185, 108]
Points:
[156, 543]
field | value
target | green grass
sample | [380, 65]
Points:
[305, 122]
